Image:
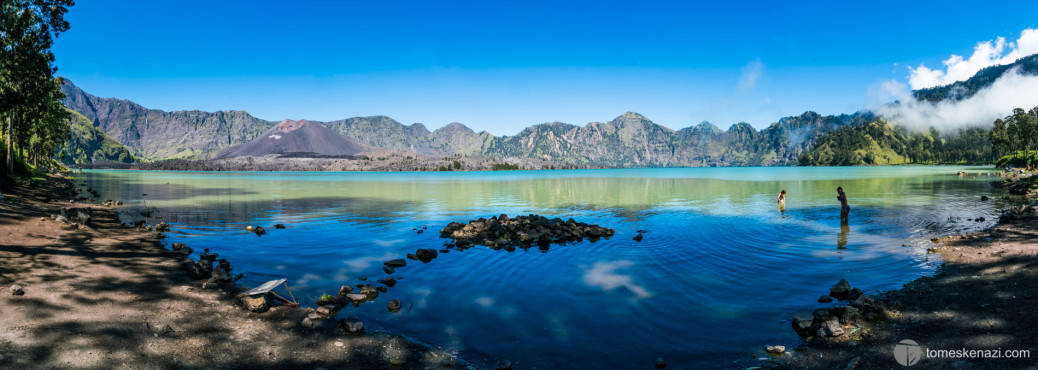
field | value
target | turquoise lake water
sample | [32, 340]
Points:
[717, 276]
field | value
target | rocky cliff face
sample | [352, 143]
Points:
[630, 140]
[154, 134]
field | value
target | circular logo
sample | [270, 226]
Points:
[907, 352]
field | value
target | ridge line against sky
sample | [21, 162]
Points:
[501, 67]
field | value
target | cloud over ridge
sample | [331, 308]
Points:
[985, 54]
[1011, 90]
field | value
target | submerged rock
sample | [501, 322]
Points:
[638, 237]
[503, 365]
[279, 226]
[660, 363]
[825, 299]
[395, 305]
[425, 255]
[395, 263]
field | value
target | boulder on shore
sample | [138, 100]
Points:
[351, 325]
[256, 303]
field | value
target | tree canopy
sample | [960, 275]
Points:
[1013, 137]
[30, 96]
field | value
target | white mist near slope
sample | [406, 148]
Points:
[1010, 91]
[985, 54]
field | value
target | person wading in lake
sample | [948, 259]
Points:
[844, 208]
[782, 201]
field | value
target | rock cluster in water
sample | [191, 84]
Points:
[837, 321]
[521, 231]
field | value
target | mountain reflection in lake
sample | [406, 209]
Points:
[717, 272]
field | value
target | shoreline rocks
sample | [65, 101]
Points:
[836, 321]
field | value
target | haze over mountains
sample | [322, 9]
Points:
[630, 140]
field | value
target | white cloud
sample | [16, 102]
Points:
[1010, 91]
[985, 54]
[603, 275]
[750, 74]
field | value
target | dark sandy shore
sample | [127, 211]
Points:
[982, 298]
[108, 296]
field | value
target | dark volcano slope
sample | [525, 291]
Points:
[297, 137]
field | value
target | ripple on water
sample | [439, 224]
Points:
[718, 269]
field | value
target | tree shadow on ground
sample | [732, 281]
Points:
[104, 297]
[985, 298]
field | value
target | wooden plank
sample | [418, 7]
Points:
[263, 289]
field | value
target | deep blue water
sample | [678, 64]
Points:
[719, 271]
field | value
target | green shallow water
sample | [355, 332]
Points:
[716, 275]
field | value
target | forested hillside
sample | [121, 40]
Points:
[88, 144]
[879, 143]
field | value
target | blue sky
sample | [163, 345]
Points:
[502, 66]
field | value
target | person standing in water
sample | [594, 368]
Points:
[782, 201]
[844, 208]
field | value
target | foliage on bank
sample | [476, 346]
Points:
[30, 96]
[88, 144]
[880, 143]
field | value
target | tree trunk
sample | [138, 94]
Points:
[10, 143]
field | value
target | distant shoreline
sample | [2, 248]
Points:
[397, 162]
[381, 161]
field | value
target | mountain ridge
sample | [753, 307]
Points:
[629, 140]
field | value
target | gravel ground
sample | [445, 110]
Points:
[108, 296]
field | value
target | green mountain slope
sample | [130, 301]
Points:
[88, 144]
[879, 143]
